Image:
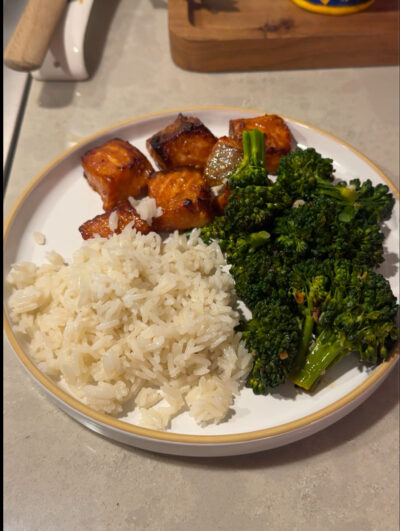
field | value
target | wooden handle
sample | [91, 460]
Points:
[31, 38]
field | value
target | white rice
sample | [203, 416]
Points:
[113, 221]
[39, 238]
[146, 208]
[298, 203]
[136, 317]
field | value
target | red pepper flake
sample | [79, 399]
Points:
[315, 312]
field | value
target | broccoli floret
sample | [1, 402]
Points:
[244, 245]
[305, 174]
[258, 275]
[272, 335]
[322, 311]
[215, 231]
[252, 208]
[301, 170]
[251, 170]
[358, 314]
[374, 202]
[308, 286]
[315, 229]
[254, 201]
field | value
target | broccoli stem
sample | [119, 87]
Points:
[258, 146]
[253, 147]
[308, 328]
[326, 351]
[349, 194]
[246, 143]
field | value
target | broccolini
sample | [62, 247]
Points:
[314, 229]
[304, 174]
[272, 335]
[354, 312]
[302, 251]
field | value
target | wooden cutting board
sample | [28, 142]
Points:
[240, 35]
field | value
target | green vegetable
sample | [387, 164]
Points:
[375, 203]
[300, 173]
[302, 251]
[251, 170]
[254, 202]
[308, 285]
[253, 208]
[355, 311]
[305, 174]
[272, 335]
[315, 229]
[258, 275]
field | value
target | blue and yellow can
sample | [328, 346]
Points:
[334, 7]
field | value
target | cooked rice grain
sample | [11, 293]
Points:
[134, 316]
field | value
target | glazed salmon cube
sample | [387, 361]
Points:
[277, 136]
[223, 159]
[116, 170]
[113, 221]
[185, 142]
[185, 198]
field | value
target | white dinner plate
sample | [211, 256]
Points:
[59, 200]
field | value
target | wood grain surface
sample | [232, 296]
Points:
[240, 35]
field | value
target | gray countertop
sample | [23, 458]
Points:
[60, 476]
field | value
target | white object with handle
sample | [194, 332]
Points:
[49, 40]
